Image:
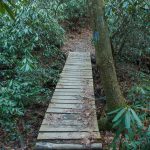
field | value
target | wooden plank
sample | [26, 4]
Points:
[77, 70]
[61, 110]
[65, 110]
[68, 94]
[64, 101]
[81, 73]
[72, 87]
[70, 82]
[75, 97]
[61, 116]
[75, 93]
[82, 94]
[72, 90]
[78, 58]
[59, 120]
[69, 91]
[79, 53]
[71, 106]
[89, 122]
[68, 135]
[47, 128]
[80, 80]
[79, 63]
[76, 74]
[81, 60]
[48, 146]
[71, 94]
[76, 80]
[75, 77]
[70, 115]
[69, 63]
[58, 123]
[78, 67]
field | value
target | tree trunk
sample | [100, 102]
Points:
[104, 58]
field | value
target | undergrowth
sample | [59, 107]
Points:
[30, 63]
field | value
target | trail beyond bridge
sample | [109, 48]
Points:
[70, 121]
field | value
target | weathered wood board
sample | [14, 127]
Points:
[50, 146]
[71, 115]
[67, 135]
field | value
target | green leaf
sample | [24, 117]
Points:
[119, 114]
[128, 119]
[36, 39]
[2, 8]
[117, 123]
[138, 121]
[113, 112]
[9, 11]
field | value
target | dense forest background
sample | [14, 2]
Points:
[32, 34]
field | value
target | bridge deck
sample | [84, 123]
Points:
[70, 121]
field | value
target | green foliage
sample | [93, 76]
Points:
[128, 26]
[130, 132]
[76, 9]
[70, 12]
[30, 58]
[129, 29]
[133, 127]
[139, 94]
[4, 7]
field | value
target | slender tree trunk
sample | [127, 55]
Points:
[104, 58]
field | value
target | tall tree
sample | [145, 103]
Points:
[104, 58]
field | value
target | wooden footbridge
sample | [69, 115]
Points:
[70, 121]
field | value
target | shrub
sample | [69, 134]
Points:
[132, 122]
[29, 58]
[128, 25]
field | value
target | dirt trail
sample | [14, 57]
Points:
[80, 41]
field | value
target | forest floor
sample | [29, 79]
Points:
[80, 40]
